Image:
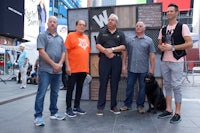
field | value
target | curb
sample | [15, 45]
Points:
[17, 98]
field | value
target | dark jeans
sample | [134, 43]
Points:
[64, 76]
[131, 80]
[78, 80]
[109, 68]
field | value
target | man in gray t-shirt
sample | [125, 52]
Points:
[47, 42]
[51, 57]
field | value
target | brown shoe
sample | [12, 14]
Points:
[115, 111]
[141, 110]
[124, 108]
[99, 112]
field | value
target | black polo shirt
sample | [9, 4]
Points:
[109, 40]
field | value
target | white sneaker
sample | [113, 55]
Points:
[57, 116]
[39, 121]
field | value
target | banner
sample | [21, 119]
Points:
[35, 18]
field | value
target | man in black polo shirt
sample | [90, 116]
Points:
[110, 42]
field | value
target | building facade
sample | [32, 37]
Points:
[59, 8]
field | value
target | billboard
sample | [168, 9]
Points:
[183, 6]
[35, 18]
[128, 2]
[12, 18]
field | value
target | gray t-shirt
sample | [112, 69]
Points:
[54, 47]
[138, 53]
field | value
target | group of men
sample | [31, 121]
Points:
[114, 52]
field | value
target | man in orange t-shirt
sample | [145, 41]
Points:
[77, 66]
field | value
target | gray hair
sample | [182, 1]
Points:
[114, 16]
[141, 23]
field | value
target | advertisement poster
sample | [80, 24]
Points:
[62, 31]
[35, 18]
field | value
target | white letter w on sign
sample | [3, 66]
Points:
[103, 19]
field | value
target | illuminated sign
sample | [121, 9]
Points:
[183, 6]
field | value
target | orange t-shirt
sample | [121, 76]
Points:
[78, 49]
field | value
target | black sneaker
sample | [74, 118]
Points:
[69, 112]
[79, 111]
[165, 114]
[175, 119]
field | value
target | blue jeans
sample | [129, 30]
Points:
[46, 79]
[131, 80]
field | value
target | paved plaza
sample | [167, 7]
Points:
[17, 109]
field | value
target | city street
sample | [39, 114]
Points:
[94, 27]
[17, 109]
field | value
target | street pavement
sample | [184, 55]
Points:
[17, 109]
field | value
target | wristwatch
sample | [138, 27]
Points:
[173, 48]
[113, 49]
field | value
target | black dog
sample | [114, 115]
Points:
[154, 94]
